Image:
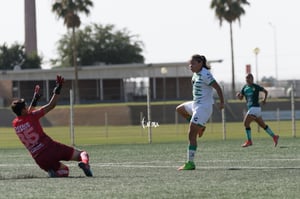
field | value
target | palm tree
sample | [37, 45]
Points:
[69, 10]
[229, 10]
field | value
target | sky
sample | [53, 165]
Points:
[174, 30]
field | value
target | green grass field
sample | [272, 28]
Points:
[126, 166]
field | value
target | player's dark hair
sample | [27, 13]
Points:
[17, 106]
[201, 58]
[250, 75]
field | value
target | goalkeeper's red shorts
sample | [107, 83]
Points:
[55, 152]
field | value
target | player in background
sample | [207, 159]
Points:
[46, 152]
[198, 111]
[251, 92]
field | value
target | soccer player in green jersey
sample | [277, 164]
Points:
[200, 109]
[251, 92]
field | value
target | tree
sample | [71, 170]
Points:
[69, 10]
[31, 61]
[229, 10]
[13, 56]
[100, 44]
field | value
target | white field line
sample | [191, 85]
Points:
[198, 167]
[170, 164]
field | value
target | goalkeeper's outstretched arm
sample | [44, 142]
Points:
[56, 92]
[36, 97]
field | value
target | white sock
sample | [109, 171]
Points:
[191, 155]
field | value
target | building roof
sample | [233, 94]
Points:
[177, 69]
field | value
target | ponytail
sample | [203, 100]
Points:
[201, 58]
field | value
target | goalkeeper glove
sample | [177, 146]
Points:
[59, 82]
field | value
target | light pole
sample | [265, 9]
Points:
[275, 49]
[256, 51]
[164, 72]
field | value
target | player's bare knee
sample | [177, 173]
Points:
[63, 172]
[248, 121]
[179, 108]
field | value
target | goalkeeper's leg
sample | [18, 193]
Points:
[62, 171]
[83, 158]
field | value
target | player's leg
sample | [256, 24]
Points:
[185, 110]
[83, 158]
[59, 151]
[267, 129]
[80, 156]
[247, 121]
[200, 116]
[62, 171]
[69, 153]
[49, 159]
[201, 131]
[192, 147]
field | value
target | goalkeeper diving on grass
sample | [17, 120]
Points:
[46, 152]
[198, 111]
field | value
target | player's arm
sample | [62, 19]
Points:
[217, 87]
[265, 96]
[239, 95]
[56, 92]
[36, 97]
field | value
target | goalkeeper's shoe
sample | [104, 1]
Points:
[52, 173]
[187, 166]
[247, 143]
[275, 139]
[86, 169]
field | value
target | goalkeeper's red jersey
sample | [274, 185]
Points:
[30, 132]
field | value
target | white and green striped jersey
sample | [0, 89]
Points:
[202, 90]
